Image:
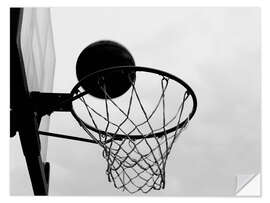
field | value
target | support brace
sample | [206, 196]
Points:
[46, 103]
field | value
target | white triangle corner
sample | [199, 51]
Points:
[248, 185]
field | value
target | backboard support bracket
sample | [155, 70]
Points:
[47, 103]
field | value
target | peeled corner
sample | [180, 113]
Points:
[248, 185]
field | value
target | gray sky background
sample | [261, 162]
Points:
[215, 50]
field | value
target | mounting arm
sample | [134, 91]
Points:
[46, 103]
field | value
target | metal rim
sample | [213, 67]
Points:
[136, 69]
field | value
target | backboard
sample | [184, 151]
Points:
[32, 69]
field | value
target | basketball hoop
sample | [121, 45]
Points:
[136, 159]
[134, 113]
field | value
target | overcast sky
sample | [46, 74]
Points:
[215, 50]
